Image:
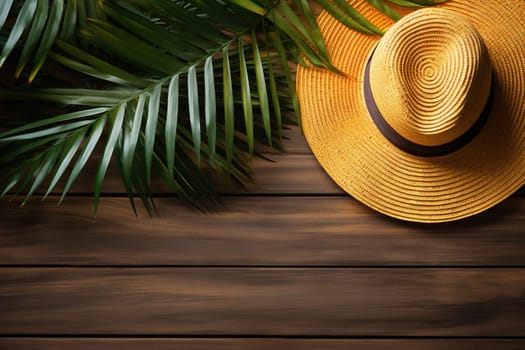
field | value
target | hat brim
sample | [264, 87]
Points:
[365, 164]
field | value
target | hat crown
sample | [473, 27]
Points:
[430, 76]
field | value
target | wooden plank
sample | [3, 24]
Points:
[256, 344]
[293, 142]
[263, 301]
[285, 174]
[254, 231]
[296, 172]
[278, 173]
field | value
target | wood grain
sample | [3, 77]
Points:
[291, 257]
[262, 301]
[276, 174]
[255, 344]
[292, 173]
[295, 171]
[254, 231]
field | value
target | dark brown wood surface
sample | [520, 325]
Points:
[264, 301]
[254, 231]
[291, 262]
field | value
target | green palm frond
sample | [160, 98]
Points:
[159, 86]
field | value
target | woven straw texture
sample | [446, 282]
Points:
[430, 76]
[364, 163]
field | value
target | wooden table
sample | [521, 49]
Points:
[291, 263]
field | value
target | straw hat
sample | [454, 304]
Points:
[427, 123]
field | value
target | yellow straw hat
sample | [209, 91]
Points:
[427, 123]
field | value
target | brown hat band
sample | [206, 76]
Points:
[413, 148]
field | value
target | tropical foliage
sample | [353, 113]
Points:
[169, 87]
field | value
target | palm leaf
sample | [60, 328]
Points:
[25, 16]
[48, 36]
[34, 34]
[116, 127]
[116, 67]
[5, 7]
[211, 105]
[386, 9]
[246, 99]
[172, 115]
[151, 129]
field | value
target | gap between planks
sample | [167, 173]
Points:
[257, 344]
